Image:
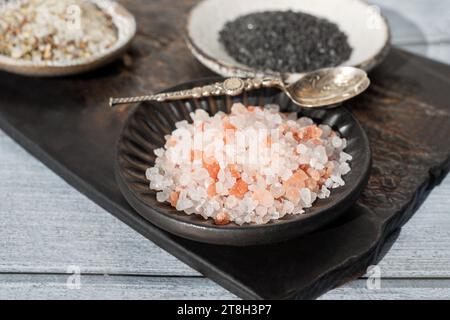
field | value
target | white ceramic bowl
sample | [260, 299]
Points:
[125, 24]
[367, 30]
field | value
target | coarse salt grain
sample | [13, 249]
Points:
[276, 165]
[54, 30]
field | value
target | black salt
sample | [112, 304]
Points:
[285, 41]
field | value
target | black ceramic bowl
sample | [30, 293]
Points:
[145, 131]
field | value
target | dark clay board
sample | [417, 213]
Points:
[67, 124]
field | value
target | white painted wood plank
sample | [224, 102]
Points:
[422, 249]
[392, 289]
[24, 286]
[46, 225]
[417, 21]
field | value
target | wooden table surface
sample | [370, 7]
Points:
[48, 229]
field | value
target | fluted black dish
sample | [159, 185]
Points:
[146, 127]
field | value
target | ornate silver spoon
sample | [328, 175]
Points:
[319, 88]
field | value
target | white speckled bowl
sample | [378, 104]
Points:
[367, 30]
[126, 27]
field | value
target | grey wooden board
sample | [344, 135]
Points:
[417, 289]
[46, 226]
[25, 286]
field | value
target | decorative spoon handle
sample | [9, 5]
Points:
[229, 87]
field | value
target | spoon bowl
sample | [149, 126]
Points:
[327, 87]
[320, 88]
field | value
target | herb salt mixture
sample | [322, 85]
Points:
[54, 30]
[285, 41]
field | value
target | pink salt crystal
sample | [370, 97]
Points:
[277, 190]
[314, 174]
[239, 189]
[222, 218]
[171, 142]
[264, 197]
[296, 180]
[312, 185]
[293, 195]
[211, 190]
[212, 166]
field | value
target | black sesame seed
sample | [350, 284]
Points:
[285, 41]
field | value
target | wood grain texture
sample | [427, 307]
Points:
[91, 238]
[25, 286]
[393, 289]
[46, 226]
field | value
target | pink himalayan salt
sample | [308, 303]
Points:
[264, 197]
[311, 160]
